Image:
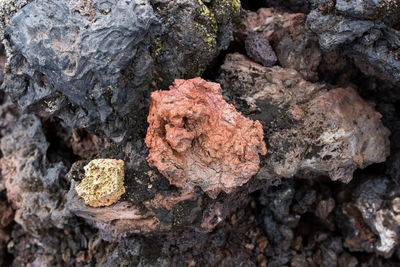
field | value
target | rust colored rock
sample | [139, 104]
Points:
[295, 48]
[197, 139]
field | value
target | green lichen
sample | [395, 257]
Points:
[206, 14]
[157, 46]
[103, 183]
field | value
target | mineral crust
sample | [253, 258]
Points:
[197, 139]
[103, 183]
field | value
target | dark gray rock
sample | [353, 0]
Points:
[386, 10]
[336, 30]
[366, 31]
[259, 50]
[33, 183]
[193, 35]
[377, 56]
[87, 66]
[378, 200]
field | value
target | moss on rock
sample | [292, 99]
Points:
[103, 183]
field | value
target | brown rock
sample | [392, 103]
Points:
[197, 139]
[311, 130]
[287, 33]
[6, 214]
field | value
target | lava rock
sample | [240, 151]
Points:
[308, 129]
[365, 31]
[32, 182]
[375, 199]
[193, 34]
[91, 72]
[197, 139]
[103, 183]
[259, 49]
[7, 10]
[294, 46]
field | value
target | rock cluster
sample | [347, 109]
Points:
[319, 88]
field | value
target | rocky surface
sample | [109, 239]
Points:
[94, 71]
[308, 129]
[80, 71]
[325, 108]
[365, 31]
[259, 49]
[294, 46]
[103, 183]
[193, 33]
[32, 182]
[197, 139]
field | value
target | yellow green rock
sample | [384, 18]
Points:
[103, 184]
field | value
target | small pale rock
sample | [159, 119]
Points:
[197, 139]
[103, 183]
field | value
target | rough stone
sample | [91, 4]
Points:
[373, 199]
[310, 129]
[365, 31]
[259, 49]
[197, 139]
[294, 46]
[193, 34]
[32, 182]
[91, 72]
[103, 184]
[7, 10]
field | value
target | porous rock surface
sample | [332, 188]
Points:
[259, 49]
[77, 67]
[103, 184]
[90, 63]
[366, 31]
[308, 128]
[308, 220]
[32, 182]
[197, 139]
[294, 46]
[193, 33]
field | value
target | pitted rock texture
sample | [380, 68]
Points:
[194, 32]
[33, 183]
[294, 47]
[197, 139]
[259, 49]
[365, 31]
[103, 184]
[150, 204]
[90, 70]
[370, 221]
[7, 10]
[309, 129]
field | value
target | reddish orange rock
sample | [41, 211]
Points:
[197, 139]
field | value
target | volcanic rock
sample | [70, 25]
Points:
[310, 129]
[103, 183]
[194, 32]
[76, 66]
[197, 139]
[32, 182]
[259, 49]
[287, 33]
